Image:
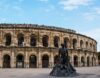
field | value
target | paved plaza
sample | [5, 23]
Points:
[84, 72]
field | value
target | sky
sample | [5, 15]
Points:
[83, 16]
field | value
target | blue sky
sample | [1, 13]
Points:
[80, 15]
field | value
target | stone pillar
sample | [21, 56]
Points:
[85, 61]
[71, 42]
[96, 59]
[52, 41]
[13, 60]
[39, 61]
[51, 61]
[79, 61]
[72, 60]
[26, 62]
[40, 41]
[27, 40]
[1, 60]
[90, 61]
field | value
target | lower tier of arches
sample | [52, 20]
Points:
[33, 61]
[44, 58]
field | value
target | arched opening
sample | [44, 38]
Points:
[56, 59]
[45, 41]
[45, 61]
[33, 40]
[88, 61]
[75, 61]
[20, 61]
[66, 42]
[6, 61]
[91, 46]
[87, 45]
[82, 61]
[8, 39]
[74, 43]
[81, 44]
[20, 39]
[32, 61]
[56, 41]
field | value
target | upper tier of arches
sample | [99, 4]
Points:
[45, 38]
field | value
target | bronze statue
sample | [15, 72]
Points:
[63, 68]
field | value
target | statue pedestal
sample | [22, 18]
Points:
[63, 70]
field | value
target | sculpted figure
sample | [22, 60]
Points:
[63, 68]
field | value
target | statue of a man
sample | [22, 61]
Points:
[63, 54]
[63, 67]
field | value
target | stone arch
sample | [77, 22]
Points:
[45, 61]
[56, 41]
[93, 47]
[33, 40]
[66, 41]
[76, 61]
[81, 44]
[6, 61]
[56, 59]
[8, 39]
[32, 61]
[86, 44]
[45, 40]
[20, 38]
[88, 61]
[74, 43]
[19, 61]
[90, 45]
[82, 61]
[93, 61]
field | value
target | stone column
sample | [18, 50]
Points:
[40, 41]
[51, 40]
[39, 61]
[51, 61]
[96, 59]
[27, 40]
[26, 62]
[71, 42]
[79, 61]
[85, 61]
[72, 60]
[1, 60]
[90, 61]
[13, 61]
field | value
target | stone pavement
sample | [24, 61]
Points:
[84, 72]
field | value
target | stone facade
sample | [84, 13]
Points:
[31, 46]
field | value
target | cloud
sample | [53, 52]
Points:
[89, 16]
[92, 14]
[74, 4]
[94, 34]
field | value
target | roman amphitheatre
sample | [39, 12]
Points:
[36, 46]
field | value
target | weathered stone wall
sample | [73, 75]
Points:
[76, 54]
